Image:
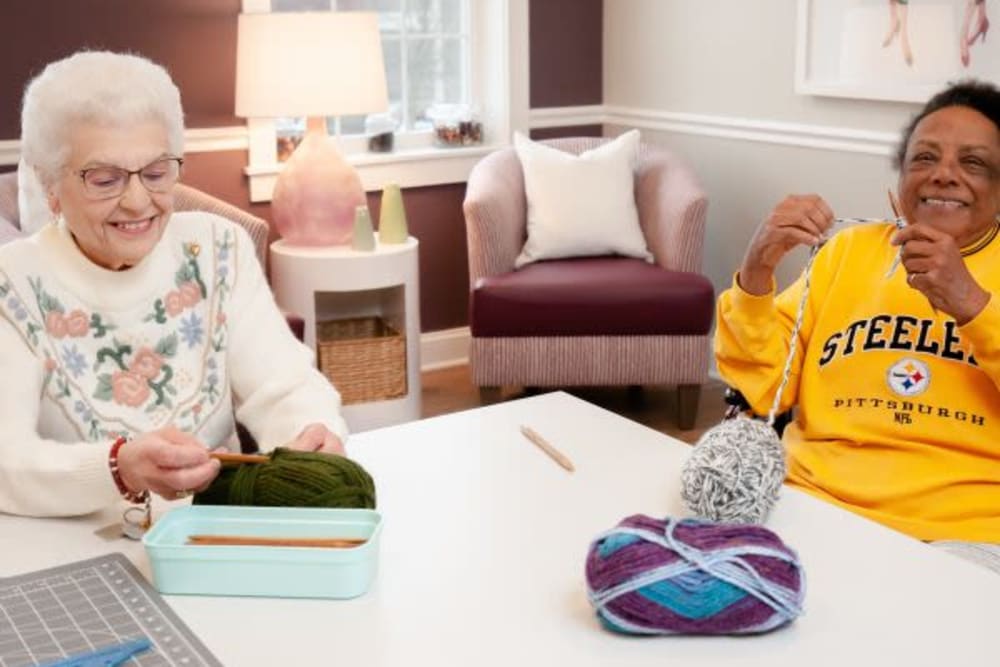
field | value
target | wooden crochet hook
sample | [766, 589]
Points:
[230, 457]
[544, 445]
[255, 541]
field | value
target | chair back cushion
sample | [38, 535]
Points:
[581, 205]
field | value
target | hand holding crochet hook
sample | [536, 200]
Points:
[934, 264]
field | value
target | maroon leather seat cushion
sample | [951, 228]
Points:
[594, 296]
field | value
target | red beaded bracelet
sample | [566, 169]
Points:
[131, 496]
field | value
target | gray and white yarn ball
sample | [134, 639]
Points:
[734, 472]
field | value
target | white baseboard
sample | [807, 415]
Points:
[445, 348]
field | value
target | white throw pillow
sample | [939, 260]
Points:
[581, 205]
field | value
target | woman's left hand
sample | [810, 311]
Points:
[317, 438]
[934, 266]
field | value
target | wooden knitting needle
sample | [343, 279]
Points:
[543, 444]
[230, 457]
[899, 255]
[894, 203]
[254, 541]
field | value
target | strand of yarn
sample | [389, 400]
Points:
[293, 479]
[664, 577]
[786, 373]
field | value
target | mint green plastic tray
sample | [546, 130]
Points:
[294, 572]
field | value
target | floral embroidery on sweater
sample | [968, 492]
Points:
[101, 373]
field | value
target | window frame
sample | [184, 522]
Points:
[498, 37]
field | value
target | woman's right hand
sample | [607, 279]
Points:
[168, 462]
[797, 220]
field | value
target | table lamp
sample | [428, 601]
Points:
[312, 64]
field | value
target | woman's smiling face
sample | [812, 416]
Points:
[950, 177]
[114, 232]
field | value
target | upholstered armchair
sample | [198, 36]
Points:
[597, 320]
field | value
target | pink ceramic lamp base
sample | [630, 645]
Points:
[316, 194]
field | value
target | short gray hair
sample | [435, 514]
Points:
[99, 87]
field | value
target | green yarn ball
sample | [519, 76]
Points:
[293, 479]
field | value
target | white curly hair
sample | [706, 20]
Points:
[98, 87]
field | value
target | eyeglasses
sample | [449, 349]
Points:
[108, 182]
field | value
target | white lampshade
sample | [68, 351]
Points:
[309, 64]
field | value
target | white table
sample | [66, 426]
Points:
[338, 282]
[483, 552]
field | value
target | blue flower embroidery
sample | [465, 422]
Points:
[83, 411]
[15, 305]
[73, 360]
[191, 330]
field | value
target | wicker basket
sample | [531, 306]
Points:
[363, 357]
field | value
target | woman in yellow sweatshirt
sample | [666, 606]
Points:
[896, 382]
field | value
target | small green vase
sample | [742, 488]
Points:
[392, 220]
[364, 235]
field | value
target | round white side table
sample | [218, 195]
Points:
[337, 282]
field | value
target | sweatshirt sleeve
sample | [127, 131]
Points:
[981, 332]
[40, 477]
[276, 386]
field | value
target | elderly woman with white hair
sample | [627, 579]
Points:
[131, 337]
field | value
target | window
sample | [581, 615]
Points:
[426, 49]
[436, 51]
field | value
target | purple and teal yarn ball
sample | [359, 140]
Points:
[688, 577]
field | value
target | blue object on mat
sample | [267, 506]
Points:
[108, 656]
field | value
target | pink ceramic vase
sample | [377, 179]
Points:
[316, 195]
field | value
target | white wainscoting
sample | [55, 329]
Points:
[746, 129]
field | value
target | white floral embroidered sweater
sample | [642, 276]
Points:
[186, 337]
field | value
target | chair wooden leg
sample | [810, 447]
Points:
[687, 405]
[489, 395]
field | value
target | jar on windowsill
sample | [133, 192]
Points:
[379, 129]
[455, 125]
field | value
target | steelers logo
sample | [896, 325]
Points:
[909, 377]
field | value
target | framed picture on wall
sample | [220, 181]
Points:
[903, 50]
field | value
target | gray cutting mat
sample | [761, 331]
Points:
[87, 605]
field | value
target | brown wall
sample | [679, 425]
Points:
[570, 131]
[566, 52]
[196, 41]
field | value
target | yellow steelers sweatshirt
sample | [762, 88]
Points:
[897, 408]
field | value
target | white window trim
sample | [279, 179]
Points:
[499, 39]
